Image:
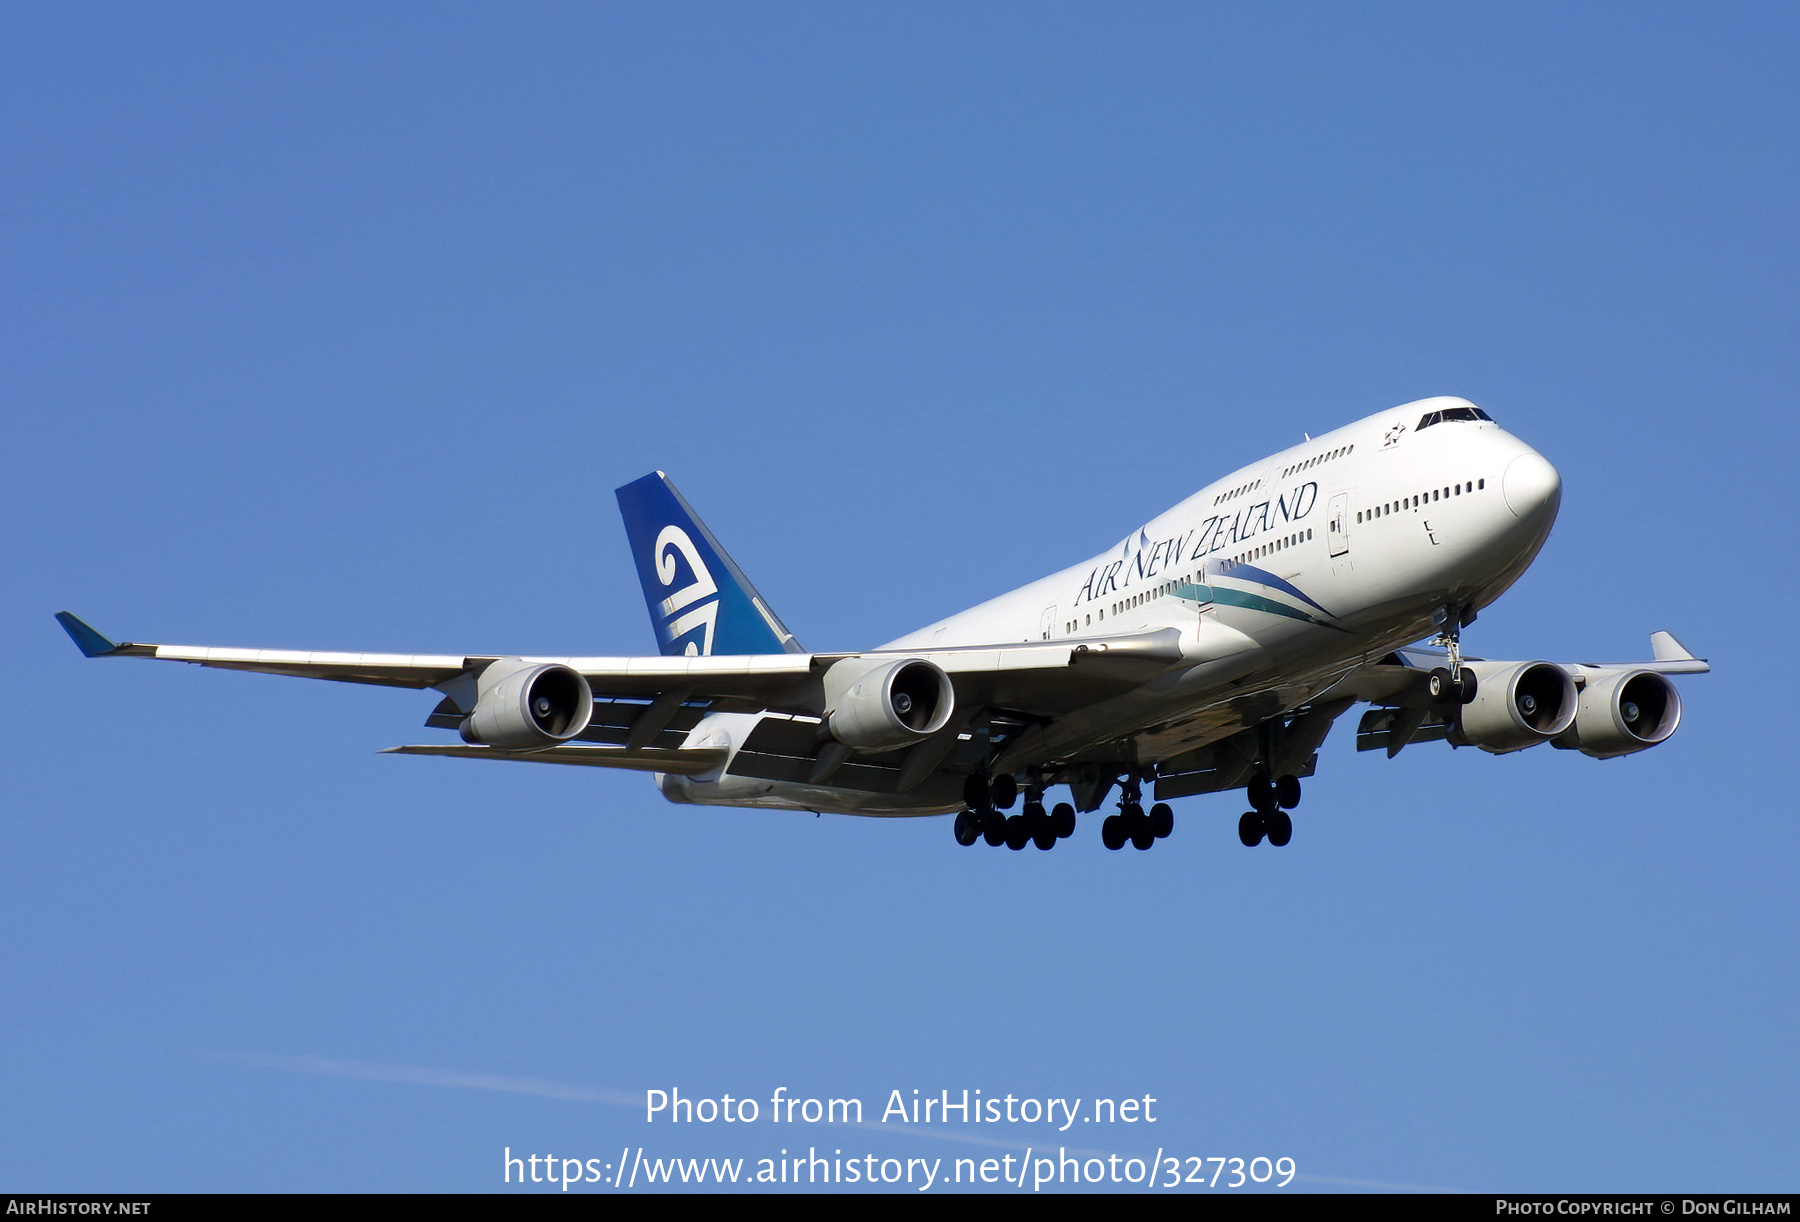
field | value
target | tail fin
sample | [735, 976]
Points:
[700, 601]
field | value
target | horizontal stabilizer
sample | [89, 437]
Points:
[685, 761]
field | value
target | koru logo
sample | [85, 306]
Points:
[676, 618]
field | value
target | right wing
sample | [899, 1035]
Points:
[644, 706]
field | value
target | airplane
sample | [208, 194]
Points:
[1212, 649]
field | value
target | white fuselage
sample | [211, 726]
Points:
[1281, 578]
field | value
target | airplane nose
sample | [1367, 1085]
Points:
[1531, 485]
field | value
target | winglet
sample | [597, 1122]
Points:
[1665, 648]
[90, 643]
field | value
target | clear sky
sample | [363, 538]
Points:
[335, 326]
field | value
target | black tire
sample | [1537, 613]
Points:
[975, 791]
[1017, 834]
[1131, 810]
[1250, 829]
[1003, 791]
[1045, 836]
[968, 828]
[1279, 828]
[1162, 820]
[1062, 818]
[1142, 836]
[1466, 689]
[1112, 832]
[1287, 792]
[993, 828]
[1261, 792]
[1438, 685]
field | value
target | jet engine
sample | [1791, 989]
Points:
[1623, 711]
[527, 706]
[1519, 705]
[877, 705]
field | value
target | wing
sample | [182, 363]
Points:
[1405, 713]
[644, 706]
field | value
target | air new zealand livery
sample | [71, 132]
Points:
[1213, 649]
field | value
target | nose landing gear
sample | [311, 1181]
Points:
[1454, 683]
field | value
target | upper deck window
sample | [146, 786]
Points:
[1453, 413]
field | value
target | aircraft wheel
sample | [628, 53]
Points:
[975, 791]
[1466, 689]
[1062, 818]
[1261, 792]
[1017, 834]
[1112, 832]
[1131, 810]
[1003, 791]
[1440, 686]
[968, 828]
[1280, 828]
[993, 828]
[1142, 836]
[1287, 792]
[1045, 836]
[1250, 829]
[1162, 820]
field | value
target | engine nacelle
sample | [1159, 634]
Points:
[875, 704]
[1518, 705]
[527, 706]
[1623, 711]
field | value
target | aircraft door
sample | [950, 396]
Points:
[1337, 525]
[1047, 623]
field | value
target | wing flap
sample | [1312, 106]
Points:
[685, 761]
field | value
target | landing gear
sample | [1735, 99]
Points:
[993, 828]
[1272, 800]
[1287, 792]
[1131, 824]
[1003, 791]
[985, 819]
[1279, 828]
[1162, 820]
[1455, 683]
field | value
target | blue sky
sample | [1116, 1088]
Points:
[336, 326]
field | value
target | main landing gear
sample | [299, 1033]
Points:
[1270, 801]
[985, 820]
[1132, 824]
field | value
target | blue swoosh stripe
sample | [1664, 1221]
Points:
[1264, 577]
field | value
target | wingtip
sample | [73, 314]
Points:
[90, 642]
[1665, 648]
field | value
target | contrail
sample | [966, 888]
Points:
[420, 1075]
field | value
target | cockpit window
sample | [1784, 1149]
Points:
[1453, 413]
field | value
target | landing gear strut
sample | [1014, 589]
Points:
[985, 818]
[1455, 683]
[1270, 801]
[1131, 823]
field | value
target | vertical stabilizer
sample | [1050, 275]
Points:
[700, 601]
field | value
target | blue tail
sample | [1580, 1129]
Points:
[700, 601]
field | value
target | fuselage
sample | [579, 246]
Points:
[1281, 578]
